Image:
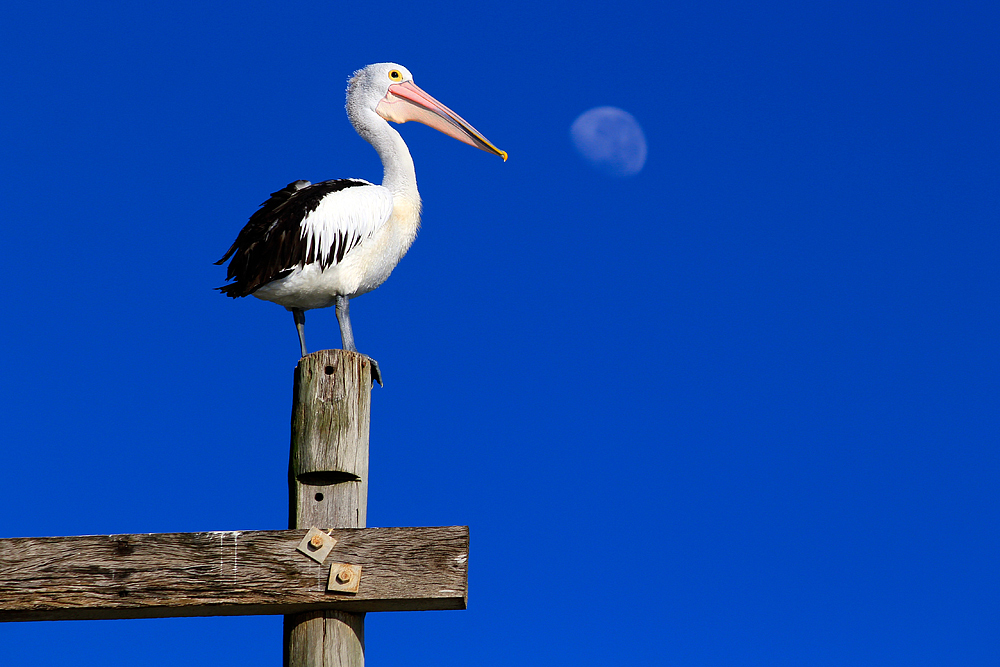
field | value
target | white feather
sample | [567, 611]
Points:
[357, 212]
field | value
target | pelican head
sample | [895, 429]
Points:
[388, 90]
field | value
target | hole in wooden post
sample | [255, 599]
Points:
[319, 497]
[329, 370]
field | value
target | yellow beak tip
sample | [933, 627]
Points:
[503, 154]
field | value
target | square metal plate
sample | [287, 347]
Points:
[316, 544]
[344, 578]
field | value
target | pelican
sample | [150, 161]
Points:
[320, 245]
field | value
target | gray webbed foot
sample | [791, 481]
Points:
[376, 373]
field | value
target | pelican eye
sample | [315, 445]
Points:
[395, 75]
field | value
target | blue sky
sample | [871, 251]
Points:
[757, 383]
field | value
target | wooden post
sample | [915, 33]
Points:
[328, 488]
[228, 573]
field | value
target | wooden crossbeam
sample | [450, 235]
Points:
[227, 574]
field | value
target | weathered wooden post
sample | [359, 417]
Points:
[322, 581]
[328, 488]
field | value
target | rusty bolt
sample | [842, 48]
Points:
[317, 540]
[345, 575]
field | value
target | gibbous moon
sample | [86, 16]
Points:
[611, 140]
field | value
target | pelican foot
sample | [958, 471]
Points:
[376, 373]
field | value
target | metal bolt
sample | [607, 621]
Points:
[317, 540]
[345, 575]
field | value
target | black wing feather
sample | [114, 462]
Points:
[271, 244]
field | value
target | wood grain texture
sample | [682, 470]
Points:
[328, 485]
[227, 573]
[325, 639]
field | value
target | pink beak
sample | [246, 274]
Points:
[405, 101]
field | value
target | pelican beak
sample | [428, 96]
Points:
[405, 101]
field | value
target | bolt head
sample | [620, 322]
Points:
[316, 541]
[345, 575]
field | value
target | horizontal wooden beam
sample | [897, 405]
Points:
[228, 574]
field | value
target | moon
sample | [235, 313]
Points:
[611, 140]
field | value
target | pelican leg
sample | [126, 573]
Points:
[300, 326]
[347, 335]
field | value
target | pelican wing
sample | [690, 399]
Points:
[303, 224]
